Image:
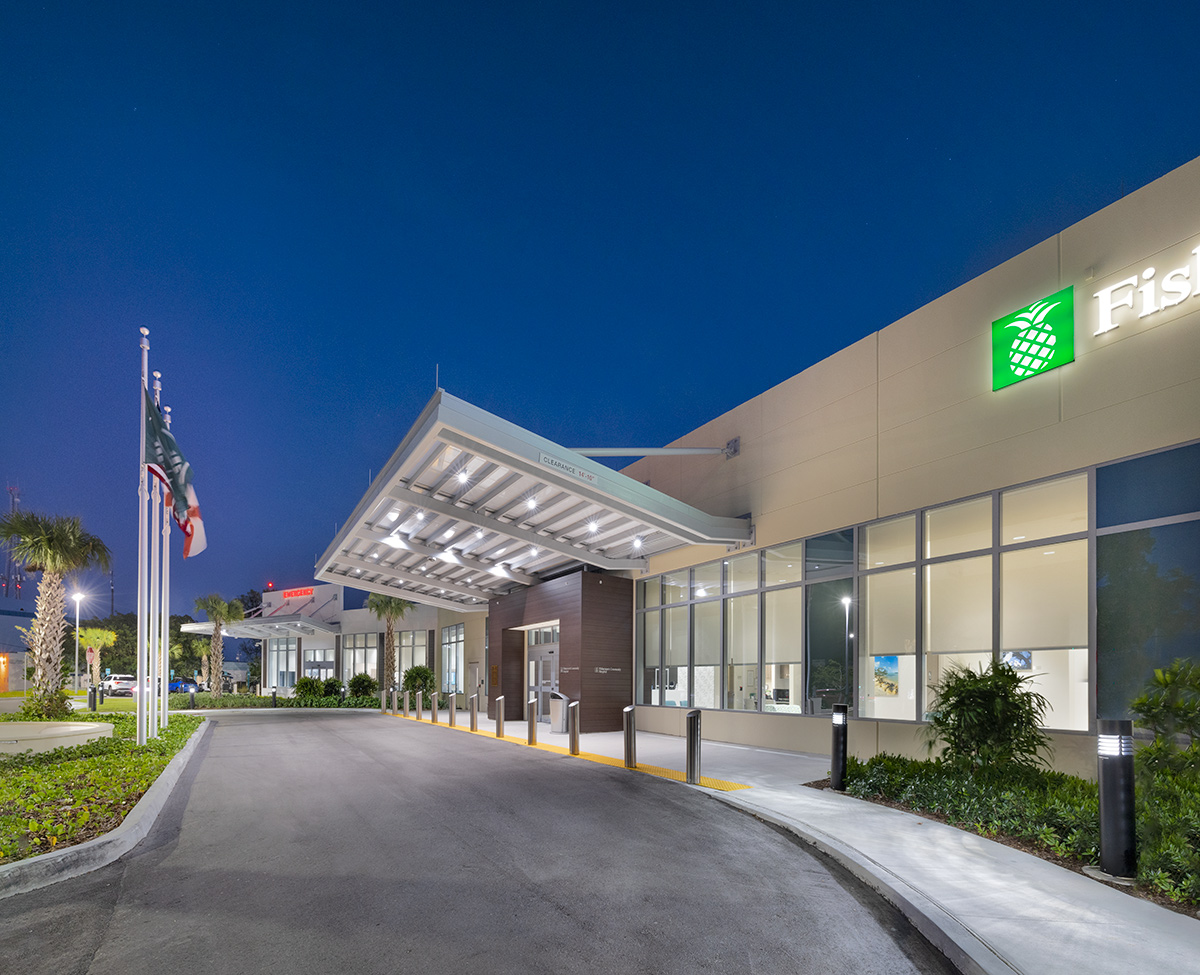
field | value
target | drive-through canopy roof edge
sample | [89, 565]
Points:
[471, 506]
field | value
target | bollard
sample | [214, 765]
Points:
[383, 700]
[406, 703]
[274, 701]
[394, 693]
[473, 705]
[433, 705]
[1118, 840]
[693, 748]
[532, 721]
[101, 693]
[500, 716]
[92, 698]
[192, 704]
[629, 722]
[452, 701]
[419, 704]
[837, 767]
[573, 727]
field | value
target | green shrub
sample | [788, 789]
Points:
[362, 685]
[420, 679]
[332, 687]
[988, 717]
[49, 707]
[308, 687]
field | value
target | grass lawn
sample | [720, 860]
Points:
[70, 795]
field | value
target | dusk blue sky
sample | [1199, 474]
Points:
[607, 222]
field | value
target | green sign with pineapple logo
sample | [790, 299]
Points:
[1034, 339]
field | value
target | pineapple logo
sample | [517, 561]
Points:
[1034, 339]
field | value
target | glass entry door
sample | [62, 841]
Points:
[543, 678]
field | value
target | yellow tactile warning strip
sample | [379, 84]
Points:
[717, 785]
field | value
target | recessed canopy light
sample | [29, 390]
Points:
[479, 533]
[420, 516]
[392, 515]
[531, 504]
[533, 550]
[499, 553]
[593, 527]
[448, 533]
[637, 543]
[462, 477]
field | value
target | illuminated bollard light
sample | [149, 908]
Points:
[837, 758]
[274, 697]
[1118, 837]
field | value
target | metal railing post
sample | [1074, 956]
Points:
[629, 723]
[693, 748]
[500, 716]
[532, 721]
[1118, 835]
[573, 727]
[837, 755]
[452, 701]
[474, 709]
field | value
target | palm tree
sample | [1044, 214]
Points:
[219, 613]
[389, 609]
[54, 546]
[98, 638]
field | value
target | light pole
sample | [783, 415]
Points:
[78, 597]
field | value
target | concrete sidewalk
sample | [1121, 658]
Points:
[990, 908]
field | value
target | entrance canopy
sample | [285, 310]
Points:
[259, 628]
[470, 507]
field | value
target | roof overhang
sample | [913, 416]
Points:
[471, 506]
[293, 624]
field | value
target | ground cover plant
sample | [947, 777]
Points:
[73, 794]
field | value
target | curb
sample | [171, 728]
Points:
[48, 868]
[966, 950]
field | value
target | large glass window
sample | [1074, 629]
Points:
[741, 653]
[1044, 597]
[1162, 485]
[958, 616]
[706, 650]
[1044, 510]
[281, 663]
[832, 553]
[783, 642]
[829, 620]
[675, 656]
[453, 655]
[413, 650]
[784, 564]
[360, 652]
[741, 573]
[956, 528]
[706, 581]
[318, 662]
[888, 661]
[891, 542]
[675, 587]
[650, 592]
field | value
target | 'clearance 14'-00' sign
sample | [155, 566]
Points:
[1041, 336]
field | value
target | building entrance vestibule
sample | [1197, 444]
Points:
[542, 667]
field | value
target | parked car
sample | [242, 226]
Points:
[183, 685]
[119, 685]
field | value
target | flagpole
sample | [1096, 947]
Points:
[143, 498]
[165, 617]
[151, 691]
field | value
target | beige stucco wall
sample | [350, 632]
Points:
[906, 417]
